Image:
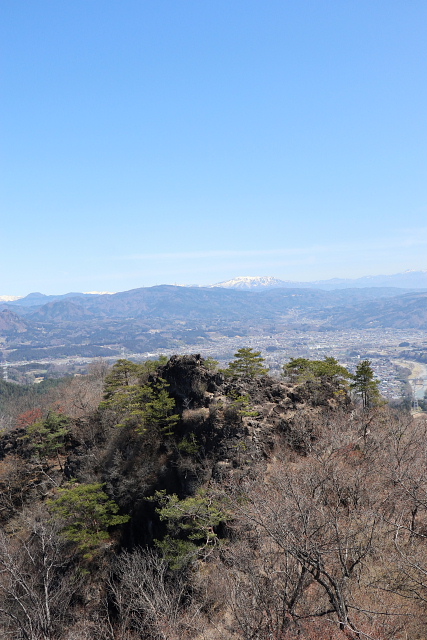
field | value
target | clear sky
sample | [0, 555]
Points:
[191, 141]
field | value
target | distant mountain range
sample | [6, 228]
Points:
[173, 317]
[37, 299]
[190, 306]
[253, 283]
[406, 280]
[170, 316]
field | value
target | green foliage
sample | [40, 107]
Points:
[48, 436]
[177, 552]
[302, 369]
[241, 404]
[247, 363]
[143, 404]
[158, 407]
[211, 364]
[190, 523]
[122, 388]
[149, 367]
[365, 385]
[86, 512]
[125, 375]
[189, 445]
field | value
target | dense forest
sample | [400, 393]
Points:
[172, 500]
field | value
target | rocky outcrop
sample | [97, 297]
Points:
[227, 427]
[191, 383]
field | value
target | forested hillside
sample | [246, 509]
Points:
[172, 500]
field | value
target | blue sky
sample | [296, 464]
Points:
[191, 141]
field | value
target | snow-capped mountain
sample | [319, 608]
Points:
[252, 283]
[9, 298]
[410, 279]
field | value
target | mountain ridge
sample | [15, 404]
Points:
[411, 279]
[171, 304]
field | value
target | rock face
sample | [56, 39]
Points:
[12, 443]
[227, 428]
[192, 385]
[223, 413]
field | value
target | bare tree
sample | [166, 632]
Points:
[319, 525]
[37, 581]
[265, 594]
[405, 513]
[150, 599]
[81, 396]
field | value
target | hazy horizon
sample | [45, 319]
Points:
[4, 296]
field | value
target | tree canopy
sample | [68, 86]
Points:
[48, 436]
[301, 369]
[365, 385]
[247, 363]
[138, 399]
[86, 512]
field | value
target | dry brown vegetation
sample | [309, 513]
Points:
[311, 522]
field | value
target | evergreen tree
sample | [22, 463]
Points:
[191, 524]
[301, 369]
[48, 436]
[247, 363]
[157, 408]
[138, 401]
[365, 385]
[123, 374]
[85, 513]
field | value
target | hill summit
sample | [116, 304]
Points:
[252, 283]
[410, 279]
[173, 500]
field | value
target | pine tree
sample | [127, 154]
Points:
[365, 384]
[85, 512]
[302, 369]
[47, 437]
[247, 363]
[138, 400]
